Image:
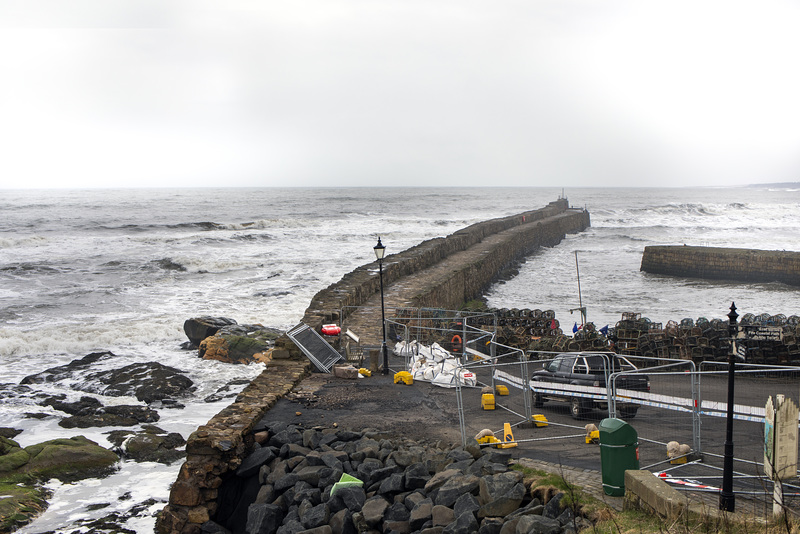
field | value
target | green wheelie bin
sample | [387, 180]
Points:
[619, 451]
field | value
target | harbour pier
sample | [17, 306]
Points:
[442, 272]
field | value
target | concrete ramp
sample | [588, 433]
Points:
[314, 346]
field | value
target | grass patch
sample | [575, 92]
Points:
[639, 522]
[574, 497]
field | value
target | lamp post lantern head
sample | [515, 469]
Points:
[380, 250]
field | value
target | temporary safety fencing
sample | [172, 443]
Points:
[752, 384]
[682, 406]
[503, 384]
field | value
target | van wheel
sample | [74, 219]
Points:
[628, 413]
[538, 400]
[578, 407]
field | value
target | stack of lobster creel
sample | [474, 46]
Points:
[767, 339]
[586, 339]
[519, 327]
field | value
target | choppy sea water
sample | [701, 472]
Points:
[120, 270]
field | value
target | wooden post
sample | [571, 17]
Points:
[780, 446]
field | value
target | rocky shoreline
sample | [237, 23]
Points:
[136, 435]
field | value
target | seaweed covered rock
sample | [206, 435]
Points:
[65, 459]
[20, 468]
[199, 328]
[12, 456]
[239, 343]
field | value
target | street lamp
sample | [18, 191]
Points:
[380, 250]
[727, 500]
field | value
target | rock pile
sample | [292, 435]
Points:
[285, 486]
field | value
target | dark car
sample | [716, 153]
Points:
[567, 376]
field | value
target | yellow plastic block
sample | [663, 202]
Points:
[364, 372]
[539, 420]
[404, 377]
[508, 438]
[487, 401]
[501, 390]
[488, 439]
[593, 437]
[676, 461]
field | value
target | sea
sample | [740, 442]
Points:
[120, 270]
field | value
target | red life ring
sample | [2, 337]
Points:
[331, 330]
[456, 343]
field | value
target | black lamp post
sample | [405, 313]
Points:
[727, 500]
[380, 250]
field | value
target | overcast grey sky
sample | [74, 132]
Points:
[387, 92]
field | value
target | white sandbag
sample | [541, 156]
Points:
[444, 380]
[439, 353]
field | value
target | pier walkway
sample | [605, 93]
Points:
[416, 290]
[443, 272]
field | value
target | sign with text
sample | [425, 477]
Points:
[763, 333]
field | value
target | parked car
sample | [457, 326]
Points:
[588, 369]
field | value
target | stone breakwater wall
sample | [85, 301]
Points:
[467, 282]
[747, 265]
[216, 450]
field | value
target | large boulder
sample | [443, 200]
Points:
[122, 415]
[199, 328]
[149, 381]
[151, 444]
[239, 343]
[74, 369]
[85, 406]
[68, 459]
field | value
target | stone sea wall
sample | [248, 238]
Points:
[467, 283]
[216, 450]
[472, 280]
[746, 265]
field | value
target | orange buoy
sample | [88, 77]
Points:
[331, 330]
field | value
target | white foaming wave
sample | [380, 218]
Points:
[676, 216]
[85, 338]
[267, 224]
[24, 241]
[138, 482]
[210, 264]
